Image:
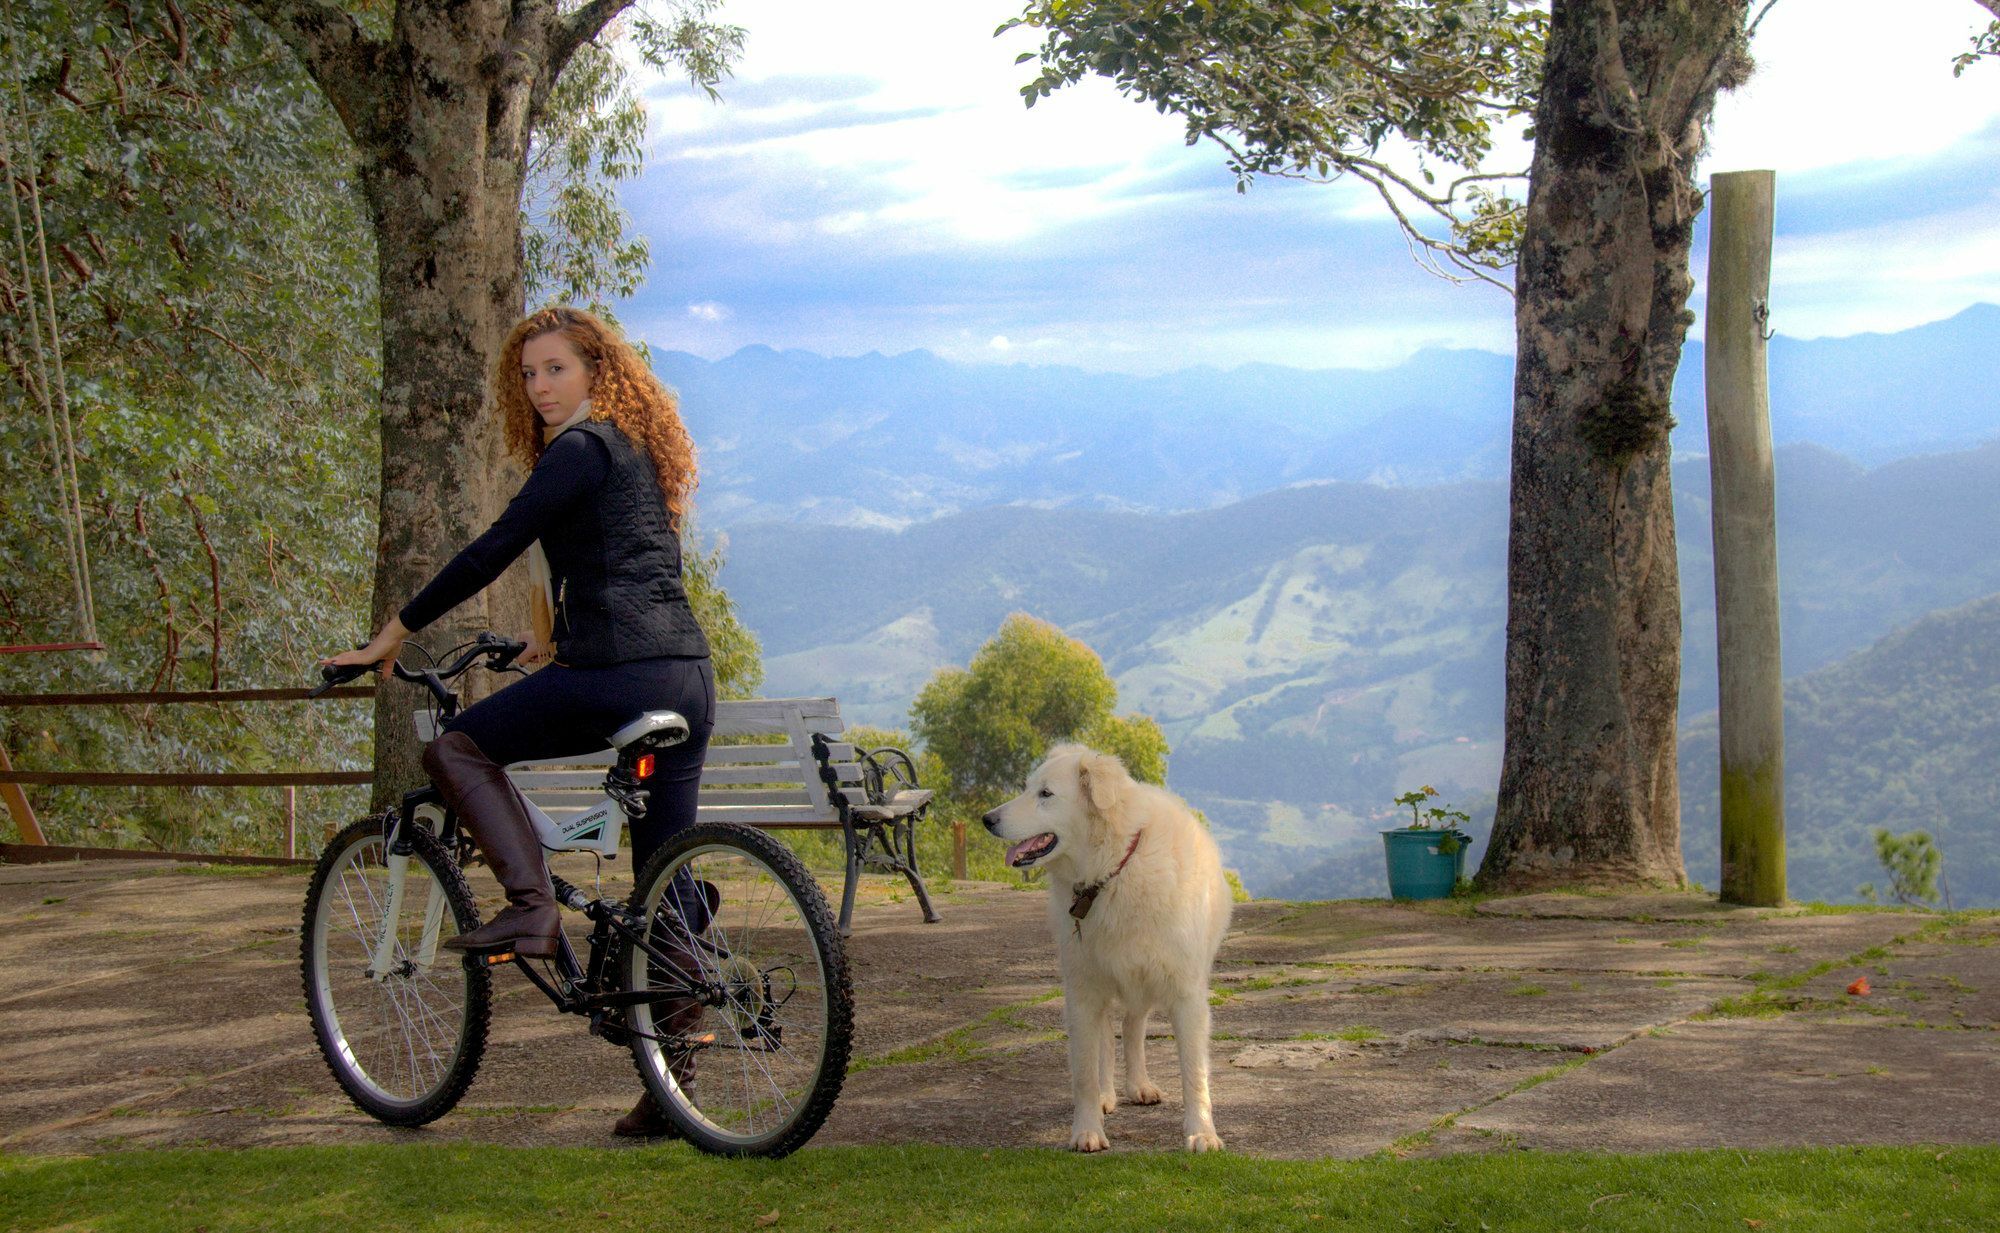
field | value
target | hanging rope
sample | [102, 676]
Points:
[50, 391]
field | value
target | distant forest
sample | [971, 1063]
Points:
[1905, 735]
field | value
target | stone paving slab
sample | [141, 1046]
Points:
[1754, 1083]
[1354, 1103]
[1947, 979]
[1667, 905]
[159, 1005]
[1661, 948]
[1584, 1012]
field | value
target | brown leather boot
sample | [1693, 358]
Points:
[646, 1121]
[487, 805]
[672, 1017]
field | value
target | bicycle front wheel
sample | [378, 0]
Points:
[745, 1036]
[401, 1022]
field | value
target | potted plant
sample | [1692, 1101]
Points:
[1427, 857]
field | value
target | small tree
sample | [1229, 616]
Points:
[738, 655]
[1028, 688]
[1031, 687]
[1914, 865]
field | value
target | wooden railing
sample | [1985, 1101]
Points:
[12, 781]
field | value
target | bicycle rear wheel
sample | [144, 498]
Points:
[746, 1044]
[404, 1042]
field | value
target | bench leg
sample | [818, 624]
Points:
[853, 876]
[909, 830]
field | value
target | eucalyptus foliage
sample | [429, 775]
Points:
[1406, 97]
[578, 247]
[1985, 45]
[216, 303]
[215, 311]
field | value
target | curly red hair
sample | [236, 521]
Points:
[622, 390]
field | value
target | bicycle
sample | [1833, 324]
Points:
[724, 975]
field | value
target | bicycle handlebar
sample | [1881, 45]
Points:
[499, 653]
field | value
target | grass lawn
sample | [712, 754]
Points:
[923, 1189]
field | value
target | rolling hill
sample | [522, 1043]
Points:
[1313, 651]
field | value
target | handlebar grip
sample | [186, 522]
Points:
[338, 674]
[501, 652]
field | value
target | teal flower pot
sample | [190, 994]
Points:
[1424, 864]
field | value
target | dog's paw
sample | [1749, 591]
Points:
[1145, 1094]
[1108, 1102]
[1204, 1141]
[1088, 1141]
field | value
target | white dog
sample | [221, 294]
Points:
[1139, 907]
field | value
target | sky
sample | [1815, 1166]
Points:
[878, 185]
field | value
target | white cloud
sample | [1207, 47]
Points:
[1841, 282]
[936, 125]
[847, 145]
[1841, 82]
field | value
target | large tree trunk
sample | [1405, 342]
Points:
[443, 180]
[1588, 786]
[440, 113]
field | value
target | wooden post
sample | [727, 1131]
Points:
[17, 804]
[958, 848]
[291, 822]
[1744, 510]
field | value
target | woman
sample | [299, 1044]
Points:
[612, 470]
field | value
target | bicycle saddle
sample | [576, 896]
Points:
[653, 730]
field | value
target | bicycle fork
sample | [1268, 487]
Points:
[382, 963]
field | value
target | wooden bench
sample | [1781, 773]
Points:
[808, 781]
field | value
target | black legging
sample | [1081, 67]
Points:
[560, 712]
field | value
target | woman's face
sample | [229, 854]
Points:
[555, 378]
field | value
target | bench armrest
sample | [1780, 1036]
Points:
[889, 772]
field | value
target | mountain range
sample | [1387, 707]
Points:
[1314, 649]
[887, 441]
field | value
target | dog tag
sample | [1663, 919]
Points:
[1079, 904]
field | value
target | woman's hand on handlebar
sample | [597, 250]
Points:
[537, 650]
[382, 651]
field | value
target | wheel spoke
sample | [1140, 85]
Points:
[763, 949]
[395, 1038]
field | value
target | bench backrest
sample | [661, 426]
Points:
[748, 777]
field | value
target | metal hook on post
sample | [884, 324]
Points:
[1762, 316]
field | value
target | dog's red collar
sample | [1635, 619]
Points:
[1084, 896]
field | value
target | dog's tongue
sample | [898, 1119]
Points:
[1031, 846]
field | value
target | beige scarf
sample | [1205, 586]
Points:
[541, 580]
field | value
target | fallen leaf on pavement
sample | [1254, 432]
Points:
[1859, 988]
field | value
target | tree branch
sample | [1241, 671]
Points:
[170, 654]
[214, 583]
[577, 29]
[331, 45]
[1991, 6]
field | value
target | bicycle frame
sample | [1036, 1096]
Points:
[577, 987]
